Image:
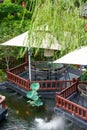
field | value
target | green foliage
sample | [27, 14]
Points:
[2, 76]
[30, 94]
[7, 53]
[14, 20]
[61, 19]
[7, 1]
[83, 76]
[36, 103]
[35, 86]
[9, 28]
[33, 97]
[12, 10]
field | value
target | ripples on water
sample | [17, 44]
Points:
[23, 117]
[15, 123]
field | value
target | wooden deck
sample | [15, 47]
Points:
[68, 99]
[72, 105]
[19, 76]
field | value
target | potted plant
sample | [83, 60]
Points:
[83, 76]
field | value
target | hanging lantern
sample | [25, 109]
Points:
[48, 53]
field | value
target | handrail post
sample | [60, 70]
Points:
[28, 84]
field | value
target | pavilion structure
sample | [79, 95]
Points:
[68, 99]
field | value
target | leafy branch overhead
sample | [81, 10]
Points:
[61, 19]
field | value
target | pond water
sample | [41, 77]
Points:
[21, 116]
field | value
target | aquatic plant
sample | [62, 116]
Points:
[83, 76]
[34, 98]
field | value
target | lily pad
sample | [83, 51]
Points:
[32, 103]
[35, 97]
[38, 103]
[35, 86]
[30, 94]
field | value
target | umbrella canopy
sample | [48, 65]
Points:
[49, 42]
[76, 57]
[22, 41]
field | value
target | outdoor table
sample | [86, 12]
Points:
[49, 67]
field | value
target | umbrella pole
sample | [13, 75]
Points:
[29, 63]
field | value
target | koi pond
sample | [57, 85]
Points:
[21, 116]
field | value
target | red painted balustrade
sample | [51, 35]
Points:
[12, 76]
[53, 84]
[69, 90]
[19, 69]
[2, 101]
[19, 81]
[70, 106]
[44, 84]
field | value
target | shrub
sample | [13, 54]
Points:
[2, 76]
[83, 76]
[10, 9]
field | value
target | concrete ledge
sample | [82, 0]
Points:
[42, 93]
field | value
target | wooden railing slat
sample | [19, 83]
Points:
[71, 107]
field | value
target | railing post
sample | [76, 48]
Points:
[86, 114]
[28, 84]
[2, 101]
[74, 80]
[3, 104]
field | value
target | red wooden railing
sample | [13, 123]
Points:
[19, 81]
[44, 84]
[18, 69]
[2, 101]
[69, 90]
[70, 106]
[53, 84]
[12, 76]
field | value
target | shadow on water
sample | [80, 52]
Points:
[22, 116]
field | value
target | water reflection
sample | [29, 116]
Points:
[54, 124]
[24, 117]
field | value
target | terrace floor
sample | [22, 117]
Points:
[65, 74]
[78, 99]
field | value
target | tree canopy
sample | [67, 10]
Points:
[61, 19]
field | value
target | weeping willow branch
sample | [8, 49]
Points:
[61, 19]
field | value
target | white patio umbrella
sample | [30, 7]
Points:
[79, 56]
[22, 41]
